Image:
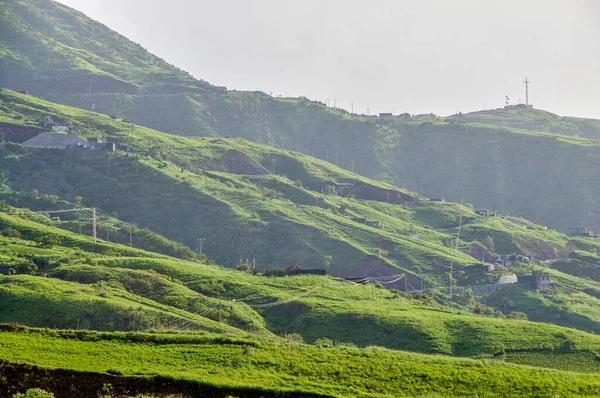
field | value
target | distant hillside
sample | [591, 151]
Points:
[526, 162]
[277, 208]
[534, 120]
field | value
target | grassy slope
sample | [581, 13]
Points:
[219, 206]
[493, 158]
[340, 372]
[130, 290]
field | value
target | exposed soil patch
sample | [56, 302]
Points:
[74, 384]
[543, 250]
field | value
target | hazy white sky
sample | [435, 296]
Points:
[416, 56]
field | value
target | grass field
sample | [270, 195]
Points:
[231, 361]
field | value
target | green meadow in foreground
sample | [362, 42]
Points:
[285, 366]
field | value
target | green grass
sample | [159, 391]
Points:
[278, 219]
[112, 290]
[372, 372]
[583, 362]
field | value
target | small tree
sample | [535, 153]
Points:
[323, 342]
[327, 259]
[25, 267]
[10, 233]
[48, 241]
[517, 315]
[243, 266]
[34, 393]
[294, 337]
[330, 190]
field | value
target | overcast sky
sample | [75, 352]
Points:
[416, 56]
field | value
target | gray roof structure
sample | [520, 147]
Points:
[57, 141]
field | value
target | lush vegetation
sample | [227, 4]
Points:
[497, 158]
[303, 213]
[285, 366]
[170, 207]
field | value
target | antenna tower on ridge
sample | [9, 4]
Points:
[526, 91]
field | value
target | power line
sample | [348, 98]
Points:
[268, 305]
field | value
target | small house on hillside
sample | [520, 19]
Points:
[56, 141]
[485, 213]
[100, 144]
[537, 281]
[367, 222]
[62, 128]
[509, 260]
[581, 231]
[49, 124]
[373, 223]
[507, 279]
[296, 270]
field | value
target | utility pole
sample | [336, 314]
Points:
[462, 202]
[220, 307]
[78, 222]
[351, 107]
[94, 224]
[372, 287]
[328, 154]
[451, 281]
[200, 244]
[527, 82]
[130, 235]
[353, 165]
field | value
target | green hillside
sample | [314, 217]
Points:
[224, 190]
[105, 286]
[498, 159]
[165, 266]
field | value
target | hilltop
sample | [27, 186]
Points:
[536, 120]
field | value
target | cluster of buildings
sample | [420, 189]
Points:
[582, 231]
[537, 281]
[50, 140]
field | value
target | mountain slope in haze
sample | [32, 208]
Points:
[512, 161]
[277, 208]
